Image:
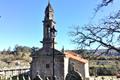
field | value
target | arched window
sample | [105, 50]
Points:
[48, 31]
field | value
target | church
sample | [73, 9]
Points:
[49, 63]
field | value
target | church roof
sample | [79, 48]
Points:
[73, 55]
[48, 51]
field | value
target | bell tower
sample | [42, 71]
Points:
[48, 27]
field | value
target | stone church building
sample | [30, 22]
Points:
[52, 64]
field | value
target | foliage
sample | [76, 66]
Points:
[21, 53]
[83, 53]
[104, 67]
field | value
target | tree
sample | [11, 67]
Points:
[105, 34]
[34, 49]
[23, 52]
[83, 52]
[103, 4]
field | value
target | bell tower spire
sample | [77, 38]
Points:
[48, 27]
[48, 1]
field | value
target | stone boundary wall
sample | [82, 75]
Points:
[13, 71]
[104, 78]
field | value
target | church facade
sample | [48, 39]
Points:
[52, 64]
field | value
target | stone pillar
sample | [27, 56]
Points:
[29, 77]
[47, 78]
[38, 77]
[23, 78]
[17, 77]
[10, 77]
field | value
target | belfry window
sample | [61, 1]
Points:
[49, 32]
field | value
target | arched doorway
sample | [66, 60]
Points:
[72, 75]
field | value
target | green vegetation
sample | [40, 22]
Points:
[104, 67]
[20, 54]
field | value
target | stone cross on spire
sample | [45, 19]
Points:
[48, 1]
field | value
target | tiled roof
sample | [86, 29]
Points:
[48, 51]
[75, 56]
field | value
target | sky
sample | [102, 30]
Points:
[21, 20]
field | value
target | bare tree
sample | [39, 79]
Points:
[103, 4]
[106, 34]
